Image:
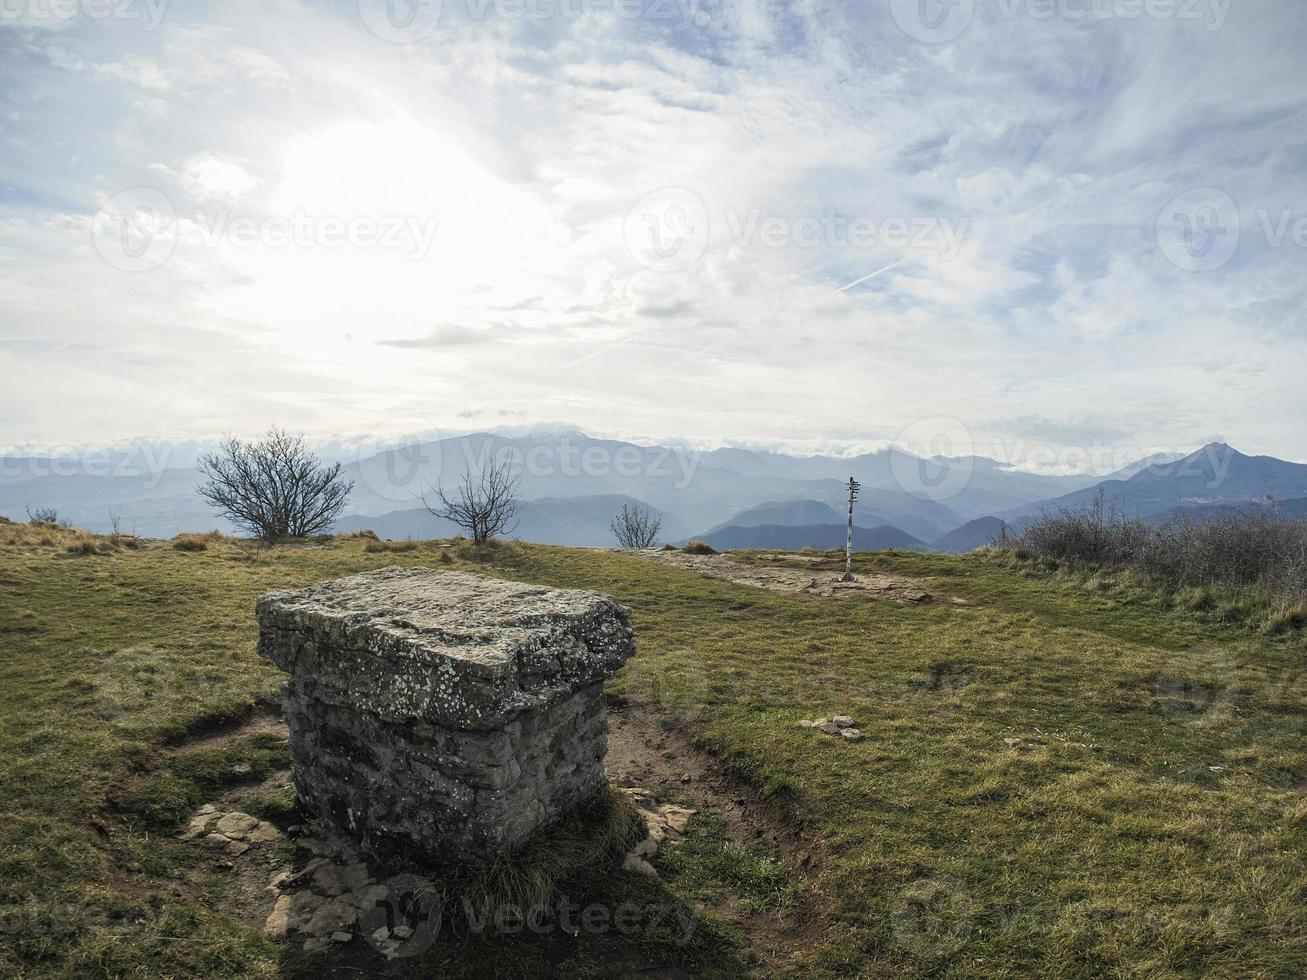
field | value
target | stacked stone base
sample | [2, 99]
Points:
[412, 789]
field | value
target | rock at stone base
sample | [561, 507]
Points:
[236, 825]
[264, 833]
[852, 735]
[235, 848]
[829, 727]
[639, 866]
[199, 823]
[677, 817]
[278, 923]
[844, 721]
[342, 937]
[334, 916]
[640, 797]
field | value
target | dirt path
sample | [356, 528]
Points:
[642, 753]
[822, 582]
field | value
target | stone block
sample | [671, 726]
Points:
[444, 715]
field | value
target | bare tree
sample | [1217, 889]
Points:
[636, 527]
[274, 488]
[42, 515]
[484, 505]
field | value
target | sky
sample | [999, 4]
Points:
[1019, 227]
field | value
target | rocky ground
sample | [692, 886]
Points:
[815, 582]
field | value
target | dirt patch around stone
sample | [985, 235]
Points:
[819, 582]
[317, 893]
[664, 764]
[264, 720]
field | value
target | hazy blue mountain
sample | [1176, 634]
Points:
[1294, 508]
[695, 490]
[1215, 474]
[698, 488]
[580, 522]
[783, 512]
[968, 486]
[1130, 469]
[784, 537]
[970, 536]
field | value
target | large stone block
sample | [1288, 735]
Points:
[442, 714]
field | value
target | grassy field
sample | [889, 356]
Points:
[1067, 776]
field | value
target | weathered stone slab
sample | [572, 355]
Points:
[446, 714]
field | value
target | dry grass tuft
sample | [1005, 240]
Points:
[699, 548]
[398, 547]
[196, 542]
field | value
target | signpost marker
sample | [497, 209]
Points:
[854, 487]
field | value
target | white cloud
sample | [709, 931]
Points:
[525, 145]
[209, 177]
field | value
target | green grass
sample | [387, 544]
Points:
[1150, 820]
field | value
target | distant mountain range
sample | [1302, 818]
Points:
[572, 485]
[970, 536]
[1215, 475]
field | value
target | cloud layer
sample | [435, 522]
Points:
[811, 225]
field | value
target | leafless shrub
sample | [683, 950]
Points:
[42, 515]
[484, 505]
[1098, 535]
[275, 488]
[1254, 548]
[636, 526]
[1246, 547]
